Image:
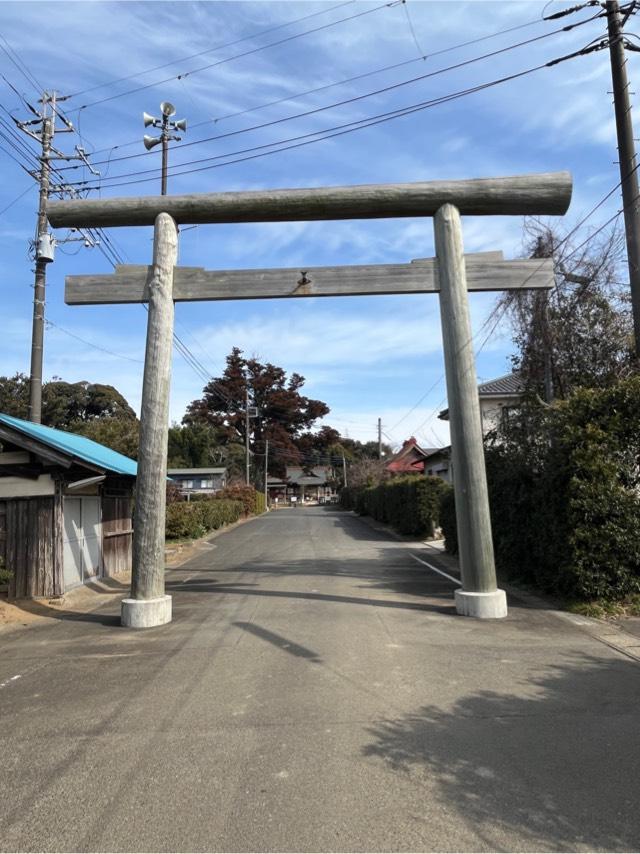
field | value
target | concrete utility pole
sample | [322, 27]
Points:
[480, 596]
[627, 158]
[379, 438]
[44, 254]
[266, 473]
[344, 471]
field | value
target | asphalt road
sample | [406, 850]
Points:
[316, 692]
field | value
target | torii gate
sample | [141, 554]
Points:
[450, 274]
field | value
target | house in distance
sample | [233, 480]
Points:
[205, 481]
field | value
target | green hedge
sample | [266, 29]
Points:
[565, 500]
[260, 503]
[191, 519]
[410, 504]
[248, 495]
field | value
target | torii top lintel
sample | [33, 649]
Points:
[538, 194]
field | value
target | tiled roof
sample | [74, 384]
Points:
[508, 384]
[75, 446]
[196, 472]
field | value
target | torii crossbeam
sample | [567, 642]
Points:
[451, 274]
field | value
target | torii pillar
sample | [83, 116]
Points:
[451, 275]
[148, 604]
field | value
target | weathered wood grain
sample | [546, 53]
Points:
[116, 534]
[470, 481]
[147, 579]
[58, 539]
[539, 194]
[29, 546]
[130, 283]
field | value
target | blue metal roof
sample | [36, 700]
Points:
[78, 447]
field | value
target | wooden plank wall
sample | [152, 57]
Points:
[3, 530]
[30, 548]
[117, 534]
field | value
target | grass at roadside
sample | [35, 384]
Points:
[603, 609]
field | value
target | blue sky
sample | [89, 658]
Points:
[365, 357]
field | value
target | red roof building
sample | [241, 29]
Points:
[410, 459]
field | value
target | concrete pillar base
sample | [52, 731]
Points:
[485, 606]
[145, 613]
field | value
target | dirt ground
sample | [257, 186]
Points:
[25, 612]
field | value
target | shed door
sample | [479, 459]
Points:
[82, 540]
[91, 530]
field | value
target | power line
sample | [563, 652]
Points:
[211, 49]
[236, 56]
[315, 90]
[91, 343]
[342, 103]
[17, 199]
[502, 310]
[19, 64]
[327, 133]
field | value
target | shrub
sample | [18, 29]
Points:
[260, 503]
[245, 494]
[194, 519]
[410, 504]
[565, 499]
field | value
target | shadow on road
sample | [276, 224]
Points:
[205, 586]
[279, 641]
[559, 766]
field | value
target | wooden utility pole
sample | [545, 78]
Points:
[43, 257]
[479, 596]
[148, 605]
[246, 436]
[627, 158]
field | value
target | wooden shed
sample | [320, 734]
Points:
[65, 509]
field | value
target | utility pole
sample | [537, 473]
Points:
[266, 473]
[246, 433]
[44, 254]
[344, 471]
[166, 127]
[548, 362]
[627, 158]
[44, 242]
[379, 438]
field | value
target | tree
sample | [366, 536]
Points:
[580, 333]
[119, 434]
[281, 411]
[367, 471]
[64, 404]
[14, 395]
[194, 446]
